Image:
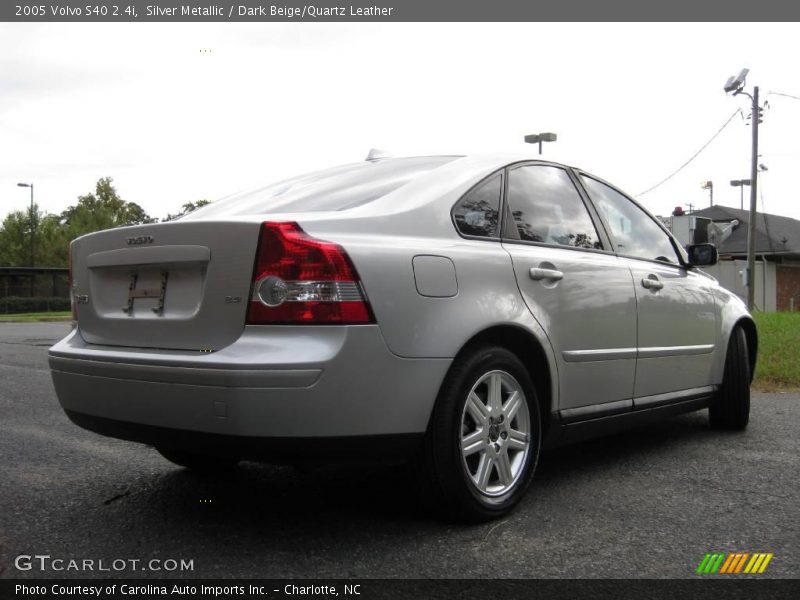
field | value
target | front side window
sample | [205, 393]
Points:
[635, 232]
[546, 208]
[477, 213]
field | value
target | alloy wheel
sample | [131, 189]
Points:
[495, 433]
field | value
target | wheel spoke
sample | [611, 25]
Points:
[517, 440]
[473, 442]
[511, 406]
[504, 468]
[484, 471]
[495, 397]
[477, 409]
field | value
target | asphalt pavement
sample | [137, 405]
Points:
[646, 503]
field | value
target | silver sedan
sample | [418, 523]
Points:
[459, 313]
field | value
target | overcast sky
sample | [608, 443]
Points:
[179, 112]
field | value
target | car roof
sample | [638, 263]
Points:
[499, 158]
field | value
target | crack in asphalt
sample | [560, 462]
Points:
[119, 496]
[486, 537]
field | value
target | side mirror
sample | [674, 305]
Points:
[702, 255]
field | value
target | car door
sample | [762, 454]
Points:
[676, 331]
[578, 290]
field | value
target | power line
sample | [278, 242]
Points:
[695, 155]
[784, 95]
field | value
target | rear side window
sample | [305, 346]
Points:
[339, 188]
[546, 208]
[477, 213]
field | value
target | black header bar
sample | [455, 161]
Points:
[397, 11]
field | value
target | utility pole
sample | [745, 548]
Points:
[751, 228]
[33, 235]
[31, 216]
[735, 85]
[33, 232]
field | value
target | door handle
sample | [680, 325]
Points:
[537, 274]
[651, 282]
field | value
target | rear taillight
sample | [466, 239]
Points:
[301, 280]
[71, 291]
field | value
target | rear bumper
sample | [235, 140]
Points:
[362, 448]
[270, 393]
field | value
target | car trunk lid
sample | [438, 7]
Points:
[177, 285]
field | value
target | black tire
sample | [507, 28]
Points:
[730, 407]
[442, 472]
[199, 462]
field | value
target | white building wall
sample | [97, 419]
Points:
[729, 275]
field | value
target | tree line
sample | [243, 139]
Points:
[102, 209]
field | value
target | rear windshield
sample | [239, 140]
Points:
[338, 188]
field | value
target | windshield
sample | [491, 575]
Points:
[337, 188]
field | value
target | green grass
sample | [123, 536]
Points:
[778, 365]
[35, 317]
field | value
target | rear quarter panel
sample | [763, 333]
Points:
[419, 326]
[383, 238]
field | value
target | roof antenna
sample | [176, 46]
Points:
[376, 154]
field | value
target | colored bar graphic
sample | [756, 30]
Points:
[734, 562]
[719, 562]
[714, 562]
[740, 564]
[764, 564]
[731, 559]
[702, 567]
[755, 562]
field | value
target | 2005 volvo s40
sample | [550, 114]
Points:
[459, 312]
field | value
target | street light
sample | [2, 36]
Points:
[33, 225]
[538, 138]
[740, 183]
[735, 85]
[709, 185]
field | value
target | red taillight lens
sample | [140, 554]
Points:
[301, 280]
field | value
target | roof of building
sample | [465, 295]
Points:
[775, 234]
